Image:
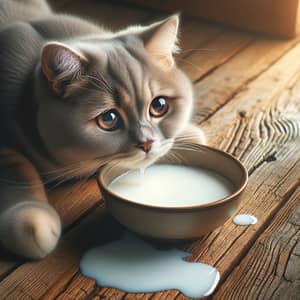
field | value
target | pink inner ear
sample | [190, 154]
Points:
[61, 63]
[161, 43]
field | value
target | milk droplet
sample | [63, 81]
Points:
[142, 174]
[135, 266]
[245, 220]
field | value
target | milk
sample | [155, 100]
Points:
[135, 266]
[244, 220]
[172, 186]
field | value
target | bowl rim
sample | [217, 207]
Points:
[222, 201]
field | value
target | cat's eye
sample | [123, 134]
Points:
[109, 120]
[159, 106]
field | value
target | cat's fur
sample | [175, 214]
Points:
[57, 73]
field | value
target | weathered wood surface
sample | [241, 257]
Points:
[276, 255]
[248, 101]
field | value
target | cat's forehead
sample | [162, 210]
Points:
[117, 62]
[124, 67]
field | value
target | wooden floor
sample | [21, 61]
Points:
[248, 102]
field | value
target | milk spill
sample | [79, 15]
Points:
[135, 266]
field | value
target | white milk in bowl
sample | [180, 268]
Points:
[169, 185]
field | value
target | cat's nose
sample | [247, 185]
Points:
[146, 146]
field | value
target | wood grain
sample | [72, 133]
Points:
[194, 34]
[271, 269]
[218, 87]
[214, 53]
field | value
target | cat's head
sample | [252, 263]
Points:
[120, 98]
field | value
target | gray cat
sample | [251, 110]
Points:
[73, 97]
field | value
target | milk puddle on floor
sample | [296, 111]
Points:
[135, 266]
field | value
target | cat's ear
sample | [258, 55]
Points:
[160, 40]
[61, 65]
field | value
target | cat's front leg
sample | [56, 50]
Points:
[29, 226]
[191, 134]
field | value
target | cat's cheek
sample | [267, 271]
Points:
[171, 128]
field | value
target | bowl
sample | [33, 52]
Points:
[178, 223]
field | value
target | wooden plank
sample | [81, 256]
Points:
[211, 55]
[218, 87]
[194, 33]
[271, 269]
[271, 123]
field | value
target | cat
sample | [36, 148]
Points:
[75, 96]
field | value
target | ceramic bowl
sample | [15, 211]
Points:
[179, 223]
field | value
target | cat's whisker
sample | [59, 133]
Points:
[187, 142]
[197, 49]
[26, 184]
[63, 180]
[82, 181]
[179, 58]
[102, 160]
[187, 137]
[63, 174]
[187, 147]
[61, 169]
[189, 63]
[100, 82]
[21, 184]
[180, 145]
[175, 156]
[170, 156]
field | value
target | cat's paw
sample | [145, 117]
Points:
[30, 229]
[192, 134]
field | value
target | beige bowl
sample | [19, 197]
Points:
[178, 223]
